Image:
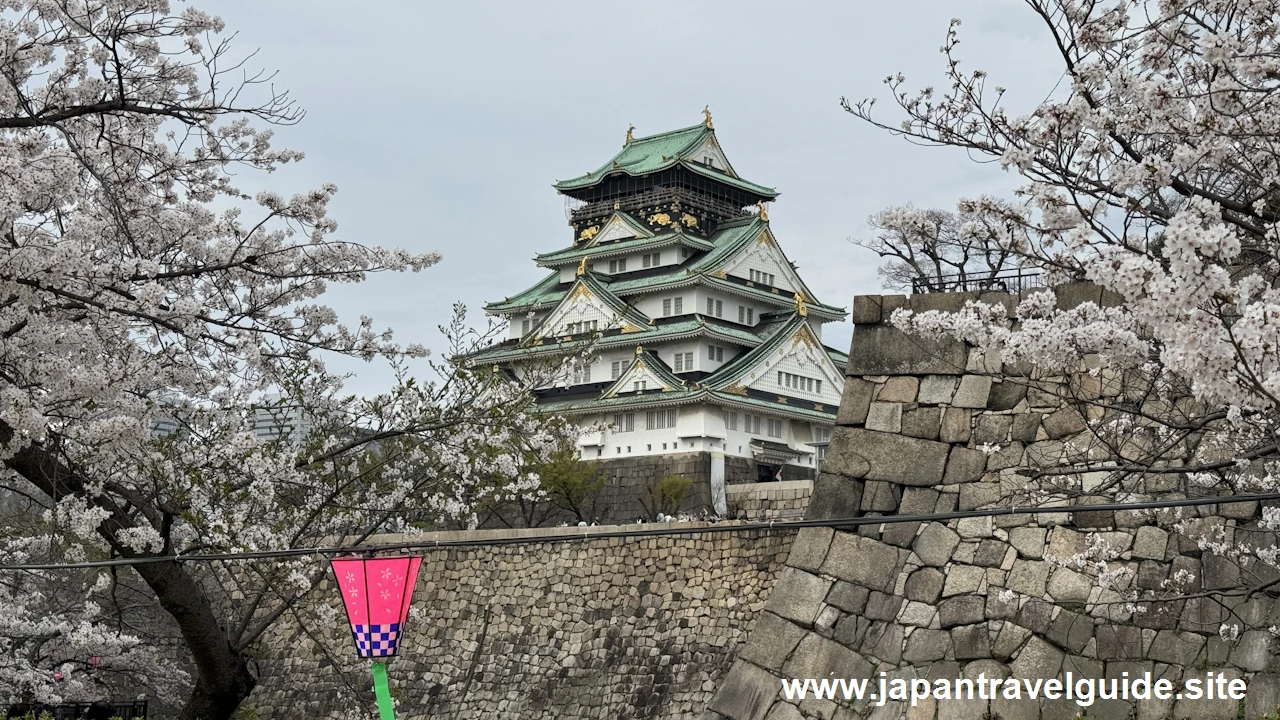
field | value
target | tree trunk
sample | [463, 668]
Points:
[223, 679]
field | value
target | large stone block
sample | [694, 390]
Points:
[855, 401]
[1006, 395]
[947, 302]
[885, 417]
[965, 465]
[818, 657]
[771, 642]
[992, 429]
[863, 561]
[961, 610]
[866, 309]
[899, 389]
[926, 646]
[879, 456]
[957, 425]
[924, 585]
[921, 423]
[936, 390]
[1064, 422]
[1037, 659]
[1119, 642]
[1264, 695]
[746, 692]
[1028, 541]
[971, 643]
[834, 496]
[886, 350]
[963, 580]
[798, 596]
[1176, 648]
[1253, 651]
[973, 392]
[1028, 577]
[1150, 543]
[848, 597]
[810, 548]
[1071, 630]
[882, 606]
[1069, 586]
[1025, 426]
[935, 544]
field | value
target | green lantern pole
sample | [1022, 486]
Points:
[386, 710]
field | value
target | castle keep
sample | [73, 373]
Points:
[706, 354]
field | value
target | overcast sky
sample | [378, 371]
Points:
[445, 124]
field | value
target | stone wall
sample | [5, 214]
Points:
[627, 493]
[928, 427]
[631, 628]
[784, 500]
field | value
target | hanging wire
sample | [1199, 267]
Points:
[576, 534]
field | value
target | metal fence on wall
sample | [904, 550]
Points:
[1015, 281]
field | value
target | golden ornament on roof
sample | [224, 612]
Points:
[588, 233]
[639, 350]
[800, 306]
[762, 211]
[582, 267]
[630, 130]
[706, 117]
[689, 220]
[660, 219]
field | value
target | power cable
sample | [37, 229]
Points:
[667, 529]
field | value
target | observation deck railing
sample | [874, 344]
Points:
[1015, 281]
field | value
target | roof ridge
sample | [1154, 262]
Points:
[668, 133]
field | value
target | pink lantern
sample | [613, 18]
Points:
[377, 592]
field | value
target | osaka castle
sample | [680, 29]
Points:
[703, 339]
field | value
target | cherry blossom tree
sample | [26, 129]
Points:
[937, 250]
[150, 312]
[1153, 173]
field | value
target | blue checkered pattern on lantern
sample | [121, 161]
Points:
[376, 640]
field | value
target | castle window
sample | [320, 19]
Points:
[618, 266]
[684, 362]
[715, 308]
[731, 420]
[624, 422]
[751, 424]
[639, 385]
[685, 252]
[799, 382]
[763, 278]
[581, 373]
[679, 304]
[651, 259]
[524, 326]
[660, 419]
[775, 428]
[715, 352]
[615, 369]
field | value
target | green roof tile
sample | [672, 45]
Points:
[650, 154]
[571, 255]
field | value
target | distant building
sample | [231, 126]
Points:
[276, 417]
[704, 338]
